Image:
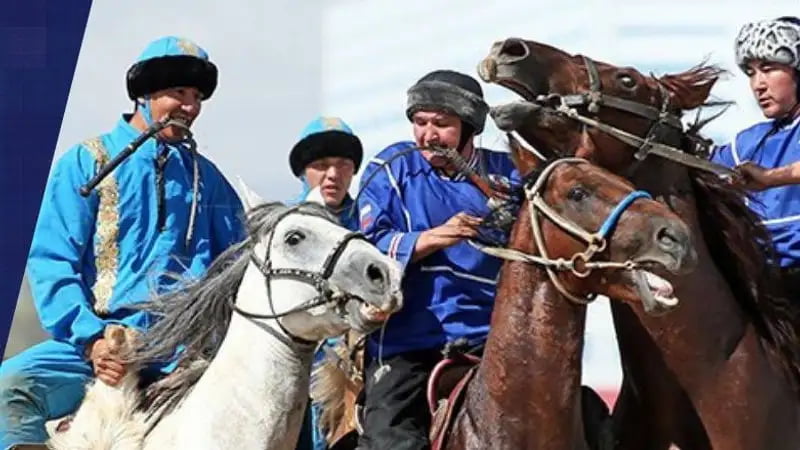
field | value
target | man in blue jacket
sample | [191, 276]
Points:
[768, 153]
[165, 210]
[419, 209]
[325, 159]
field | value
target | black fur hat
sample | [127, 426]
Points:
[171, 62]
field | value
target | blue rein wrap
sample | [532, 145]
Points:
[613, 218]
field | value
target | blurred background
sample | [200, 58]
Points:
[283, 62]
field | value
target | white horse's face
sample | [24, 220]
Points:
[365, 282]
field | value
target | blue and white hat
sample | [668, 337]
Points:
[171, 62]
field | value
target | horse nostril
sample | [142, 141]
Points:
[514, 49]
[666, 239]
[375, 275]
[673, 240]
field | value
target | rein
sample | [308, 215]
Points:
[151, 131]
[580, 264]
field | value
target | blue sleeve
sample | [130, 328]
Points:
[227, 217]
[723, 155]
[61, 237]
[382, 216]
[516, 178]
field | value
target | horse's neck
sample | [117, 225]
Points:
[684, 336]
[527, 388]
[703, 363]
[255, 390]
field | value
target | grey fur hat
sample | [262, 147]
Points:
[449, 91]
[776, 41]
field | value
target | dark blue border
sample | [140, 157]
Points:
[39, 44]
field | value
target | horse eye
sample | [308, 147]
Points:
[626, 81]
[294, 237]
[577, 194]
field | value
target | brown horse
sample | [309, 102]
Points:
[722, 371]
[526, 392]
[535, 345]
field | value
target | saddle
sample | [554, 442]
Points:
[445, 392]
[446, 387]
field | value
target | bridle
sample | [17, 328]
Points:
[580, 264]
[319, 280]
[662, 120]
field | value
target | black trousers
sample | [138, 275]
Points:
[791, 279]
[395, 408]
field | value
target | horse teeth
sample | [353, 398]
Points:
[372, 313]
[660, 286]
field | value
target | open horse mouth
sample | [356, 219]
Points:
[656, 293]
[373, 313]
[517, 88]
[366, 317]
[488, 72]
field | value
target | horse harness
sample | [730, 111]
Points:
[319, 280]
[663, 122]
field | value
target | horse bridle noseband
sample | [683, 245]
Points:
[319, 280]
[579, 264]
[662, 120]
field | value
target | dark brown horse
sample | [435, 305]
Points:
[526, 392]
[722, 371]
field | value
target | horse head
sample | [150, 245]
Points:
[321, 279]
[609, 238]
[575, 106]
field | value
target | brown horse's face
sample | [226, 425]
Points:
[532, 69]
[647, 233]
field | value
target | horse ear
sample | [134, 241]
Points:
[315, 195]
[525, 160]
[249, 197]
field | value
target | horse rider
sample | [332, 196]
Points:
[419, 209]
[767, 154]
[164, 210]
[325, 158]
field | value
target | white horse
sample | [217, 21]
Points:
[246, 332]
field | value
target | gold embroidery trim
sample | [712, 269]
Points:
[106, 248]
[188, 47]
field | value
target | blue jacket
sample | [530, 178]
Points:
[450, 293]
[91, 258]
[780, 206]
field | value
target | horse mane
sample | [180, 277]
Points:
[691, 88]
[191, 319]
[742, 249]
